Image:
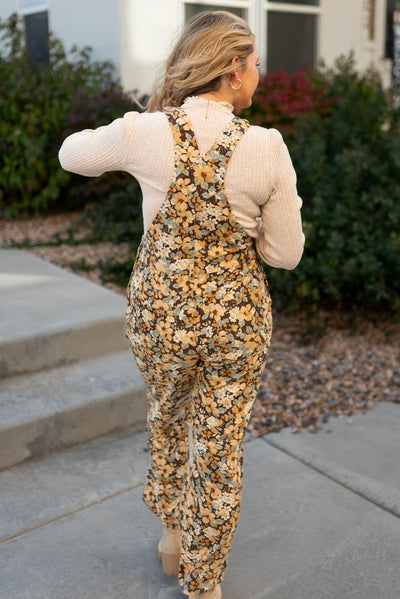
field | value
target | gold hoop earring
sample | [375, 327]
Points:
[239, 86]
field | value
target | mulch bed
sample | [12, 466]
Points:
[327, 365]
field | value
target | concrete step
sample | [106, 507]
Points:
[38, 492]
[50, 410]
[51, 317]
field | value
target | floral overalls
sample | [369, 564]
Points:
[199, 322]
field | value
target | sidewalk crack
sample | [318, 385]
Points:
[74, 511]
[362, 487]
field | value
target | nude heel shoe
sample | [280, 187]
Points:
[169, 550]
[214, 594]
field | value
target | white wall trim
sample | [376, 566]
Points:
[293, 8]
[226, 3]
[40, 7]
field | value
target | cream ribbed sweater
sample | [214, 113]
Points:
[260, 180]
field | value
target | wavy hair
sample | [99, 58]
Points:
[201, 56]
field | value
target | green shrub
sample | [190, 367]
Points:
[347, 159]
[118, 218]
[37, 104]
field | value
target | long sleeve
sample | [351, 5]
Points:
[94, 152]
[260, 179]
[281, 239]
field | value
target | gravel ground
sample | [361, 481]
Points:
[328, 366]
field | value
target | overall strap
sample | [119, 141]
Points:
[221, 151]
[186, 147]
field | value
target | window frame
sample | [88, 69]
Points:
[369, 23]
[293, 8]
[41, 6]
[257, 17]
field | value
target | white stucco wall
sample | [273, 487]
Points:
[147, 32]
[7, 7]
[94, 23]
[343, 29]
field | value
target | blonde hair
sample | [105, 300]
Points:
[201, 56]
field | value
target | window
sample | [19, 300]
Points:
[291, 34]
[396, 53]
[307, 2]
[286, 30]
[193, 8]
[390, 9]
[291, 41]
[36, 21]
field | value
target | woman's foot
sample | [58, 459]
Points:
[214, 594]
[169, 550]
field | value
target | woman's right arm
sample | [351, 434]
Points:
[94, 152]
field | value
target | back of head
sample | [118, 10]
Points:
[201, 56]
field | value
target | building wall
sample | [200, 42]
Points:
[94, 23]
[344, 29]
[147, 32]
[137, 36]
[7, 7]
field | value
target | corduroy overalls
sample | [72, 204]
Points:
[199, 322]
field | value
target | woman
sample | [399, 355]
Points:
[215, 191]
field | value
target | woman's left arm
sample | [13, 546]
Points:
[94, 152]
[280, 242]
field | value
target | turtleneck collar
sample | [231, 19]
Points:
[210, 104]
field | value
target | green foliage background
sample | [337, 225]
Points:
[39, 106]
[341, 127]
[345, 145]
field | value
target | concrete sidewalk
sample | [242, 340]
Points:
[319, 520]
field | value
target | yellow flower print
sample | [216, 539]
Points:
[242, 313]
[216, 251]
[203, 173]
[182, 282]
[211, 489]
[160, 305]
[214, 310]
[256, 295]
[186, 219]
[164, 329]
[180, 204]
[186, 337]
[223, 512]
[176, 135]
[252, 341]
[189, 154]
[229, 264]
[216, 382]
[198, 283]
[225, 401]
[147, 315]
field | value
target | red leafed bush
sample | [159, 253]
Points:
[281, 98]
